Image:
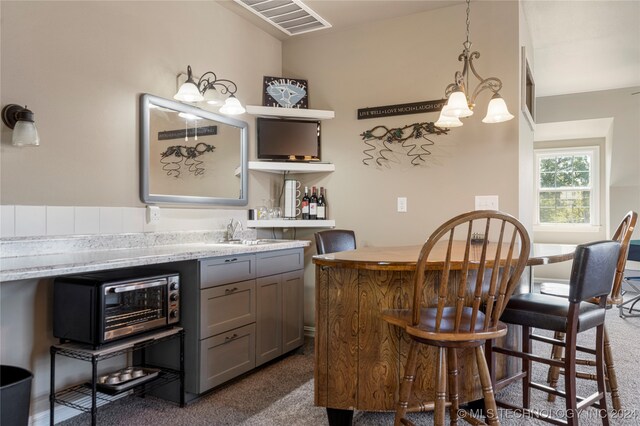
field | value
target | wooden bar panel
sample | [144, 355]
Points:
[378, 367]
[342, 335]
[320, 344]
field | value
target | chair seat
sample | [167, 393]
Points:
[549, 312]
[562, 290]
[426, 329]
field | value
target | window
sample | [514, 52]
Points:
[567, 186]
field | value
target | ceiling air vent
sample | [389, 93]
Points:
[289, 16]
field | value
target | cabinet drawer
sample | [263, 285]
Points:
[225, 270]
[226, 356]
[227, 306]
[279, 261]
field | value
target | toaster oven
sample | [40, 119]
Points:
[97, 308]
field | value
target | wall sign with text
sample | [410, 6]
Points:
[285, 92]
[401, 109]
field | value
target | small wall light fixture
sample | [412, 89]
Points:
[460, 98]
[211, 89]
[21, 121]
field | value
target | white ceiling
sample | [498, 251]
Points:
[584, 46]
[579, 45]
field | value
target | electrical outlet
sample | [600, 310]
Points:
[402, 204]
[153, 214]
[487, 202]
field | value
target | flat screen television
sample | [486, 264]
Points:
[288, 140]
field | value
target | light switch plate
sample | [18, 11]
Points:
[402, 204]
[487, 202]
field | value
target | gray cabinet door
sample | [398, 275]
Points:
[226, 356]
[292, 310]
[227, 306]
[268, 318]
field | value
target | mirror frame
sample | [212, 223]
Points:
[146, 197]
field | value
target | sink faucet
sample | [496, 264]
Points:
[232, 228]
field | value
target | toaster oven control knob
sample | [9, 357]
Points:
[173, 314]
[173, 297]
[173, 286]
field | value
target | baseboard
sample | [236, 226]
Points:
[40, 410]
[309, 331]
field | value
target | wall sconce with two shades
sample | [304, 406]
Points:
[211, 89]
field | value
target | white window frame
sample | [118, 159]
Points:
[594, 205]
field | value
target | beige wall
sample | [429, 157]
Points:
[403, 60]
[625, 141]
[81, 66]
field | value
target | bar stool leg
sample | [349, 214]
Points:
[554, 372]
[601, 333]
[526, 367]
[611, 373]
[570, 378]
[452, 362]
[487, 388]
[441, 387]
[407, 383]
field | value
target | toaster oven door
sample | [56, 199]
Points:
[134, 307]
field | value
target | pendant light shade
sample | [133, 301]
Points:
[457, 105]
[497, 111]
[232, 106]
[446, 121]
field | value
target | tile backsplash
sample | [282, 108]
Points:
[27, 221]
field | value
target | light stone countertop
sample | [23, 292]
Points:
[42, 265]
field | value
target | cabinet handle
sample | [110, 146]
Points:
[229, 338]
[231, 290]
[231, 260]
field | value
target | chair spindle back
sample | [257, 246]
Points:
[478, 301]
[623, 236]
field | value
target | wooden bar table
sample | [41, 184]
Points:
[359, 358]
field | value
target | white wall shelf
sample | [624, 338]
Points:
[290, 223]
[291, 167]
[311, 114]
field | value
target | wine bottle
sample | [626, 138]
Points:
[305, 204]
[322, 205]
[313, 205]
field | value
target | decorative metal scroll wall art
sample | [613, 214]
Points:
[175, 156]
[381, 142]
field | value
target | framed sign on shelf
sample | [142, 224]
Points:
[285, 92]
[528, 91]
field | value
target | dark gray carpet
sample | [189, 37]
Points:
[282, 394]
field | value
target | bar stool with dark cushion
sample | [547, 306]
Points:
[471, 288]
[335, 240]
[593, 269]
[623, 236]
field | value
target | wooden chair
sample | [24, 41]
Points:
[471, 294]
[623, 236]
[335, 240]
[594, 266]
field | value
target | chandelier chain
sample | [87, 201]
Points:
[467, 44]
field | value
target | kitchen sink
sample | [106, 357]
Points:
[248, 242]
